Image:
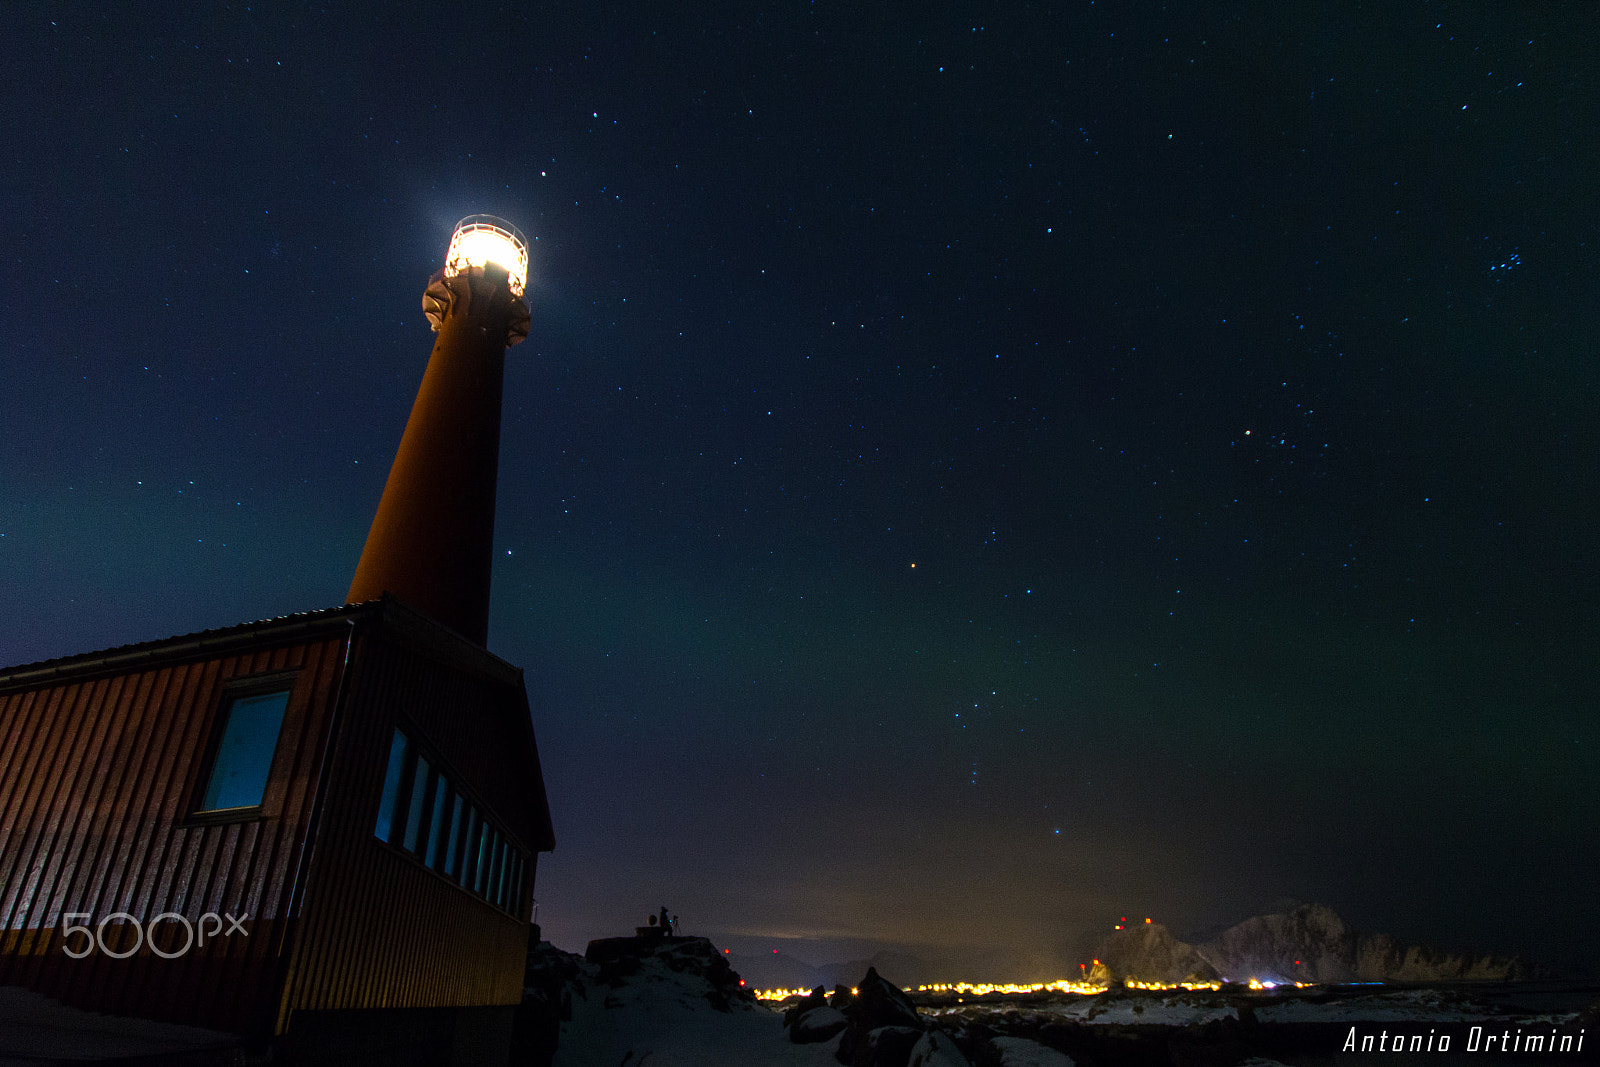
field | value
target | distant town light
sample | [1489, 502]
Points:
[481, 239]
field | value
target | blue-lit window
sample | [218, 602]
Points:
[419, 793]
[496, 868]
[422, 811]
[485, 854]
[391, 786]
[458, 833]
[442, 800]
[503, 883]
[469, 849]
[238, 777]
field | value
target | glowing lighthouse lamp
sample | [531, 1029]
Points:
[484, 239]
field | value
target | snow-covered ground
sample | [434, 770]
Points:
[665, 1009]
[663, 1017]
[1193, 1009]
[1400, 1005]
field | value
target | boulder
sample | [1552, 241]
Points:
[884, 1024]
[816, 999]
[879, 1002]
[818, 1024]
[934, 1049]
[887, 1046]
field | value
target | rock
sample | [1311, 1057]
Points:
[1308, 943]
[936, 1050]
[698, 956]
[878, 1005]
[879, 1002]
[620, 959]
[841, 997]
[549, 978]
[816, 999]
[818, 1024]
[886, 1046]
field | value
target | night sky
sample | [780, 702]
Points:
[978, 469]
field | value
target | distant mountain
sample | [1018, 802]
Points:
[905, 968]
[1309, 943]
[778, 971]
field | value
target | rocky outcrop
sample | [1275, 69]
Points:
[815, 1019]
[1309, 943]
[934, 1049]
[818, 1025]
[1149, 951]
[883, 1027]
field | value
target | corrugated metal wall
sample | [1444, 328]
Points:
[95, 778]
[98, 764]
[379, 930]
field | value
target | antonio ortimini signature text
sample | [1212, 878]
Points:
[1478, 1039]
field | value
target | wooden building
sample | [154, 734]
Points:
[322, 824]
[336, 810]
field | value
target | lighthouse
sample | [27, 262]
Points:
[432, 539]
[298, 835]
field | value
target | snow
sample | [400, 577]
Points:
[818, 1024]
[668, 1008]
[1020, 1052]
[1406, 1005]
[1142, 1011]
[664, 1015]
[36, 1029]
[936, 1050]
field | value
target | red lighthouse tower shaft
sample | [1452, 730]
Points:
[432, 540]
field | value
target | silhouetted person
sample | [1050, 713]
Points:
[666, 923]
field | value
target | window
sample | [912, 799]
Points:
[422, 810]
[441, 812]
[391, 786]
[419, 792]
[250, 726]
[458, 825]
[485, 854]
[469, 847]
[497, 870]
[507, 870]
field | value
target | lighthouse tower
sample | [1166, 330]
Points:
[432, 539]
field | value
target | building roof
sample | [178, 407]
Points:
[387, 610]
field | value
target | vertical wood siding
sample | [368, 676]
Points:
[378, 929]
[99, 761]
[95, 778]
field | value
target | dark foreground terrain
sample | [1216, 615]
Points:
[676, 1002]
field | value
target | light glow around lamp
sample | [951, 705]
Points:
[481, 239]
